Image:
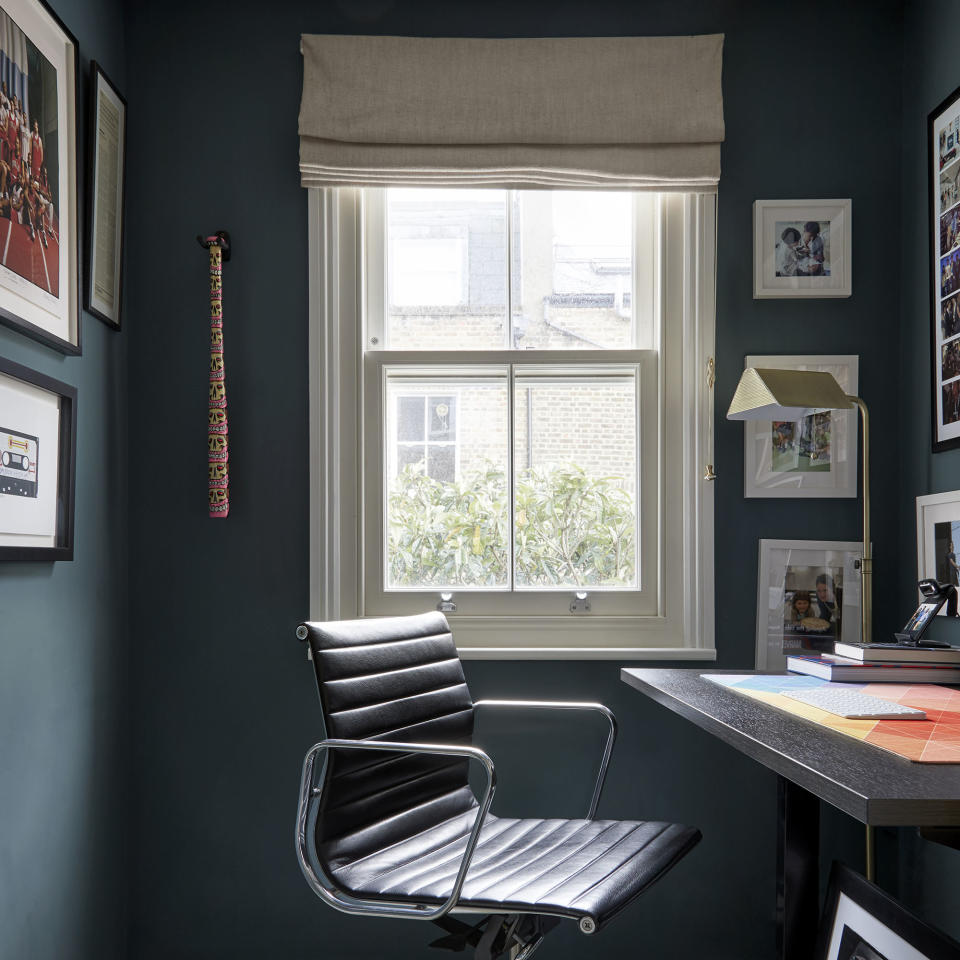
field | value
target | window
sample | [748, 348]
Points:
[512, 415]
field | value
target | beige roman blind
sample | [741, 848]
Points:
[581, 112]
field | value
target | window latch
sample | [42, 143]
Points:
[580, 603]
[446, 604]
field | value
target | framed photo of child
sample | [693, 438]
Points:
[808, 597]
[943, 141]
[802, 248]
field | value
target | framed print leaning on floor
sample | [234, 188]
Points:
[38, 451]
[812, 457]
[862, 922]
[943, 141]
[39, 246]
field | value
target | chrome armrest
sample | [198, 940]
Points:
[571, 705]
[324, 887]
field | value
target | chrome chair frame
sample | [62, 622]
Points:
[323, 885]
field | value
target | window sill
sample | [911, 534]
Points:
[587, 653]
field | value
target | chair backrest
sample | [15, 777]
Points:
[397, 678]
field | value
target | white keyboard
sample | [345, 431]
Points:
[854, 705]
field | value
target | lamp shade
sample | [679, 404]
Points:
[764, 394]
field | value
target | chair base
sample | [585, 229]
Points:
[496, 936]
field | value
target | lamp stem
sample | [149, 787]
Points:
[866, 563]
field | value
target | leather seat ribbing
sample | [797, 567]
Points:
[394, 826]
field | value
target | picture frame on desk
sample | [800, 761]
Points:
[862, 922]
[38, 456]
[811, 458]
[39, 217]
[808, 597]
[938, 539]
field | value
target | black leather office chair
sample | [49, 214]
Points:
[391, 827]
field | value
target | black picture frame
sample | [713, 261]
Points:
[943, 164]
[22, 308]
[105, 301]
[65, 493]
[884, 912]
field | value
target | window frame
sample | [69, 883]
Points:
[682, 624]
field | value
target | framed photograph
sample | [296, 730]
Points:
[812, 457]
[862, 922]
[938, 538]
[943, 142]
[106, 184]
[39, 244]
[802, 248]
[38, 431]
[808, 597]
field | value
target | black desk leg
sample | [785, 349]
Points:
[798, 873]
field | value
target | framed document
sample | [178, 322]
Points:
[106, 182]
[38, 455]
[39, 243]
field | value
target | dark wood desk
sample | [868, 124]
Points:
[813, 763]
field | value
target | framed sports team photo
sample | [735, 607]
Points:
[943, 133]
[39, 245]
[38, 449]
[802, 248]
[812, 457]
[862, 922]
[106, 173]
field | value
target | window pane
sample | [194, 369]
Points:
[572, 272]
[446, 270]
[410, 418]
[576, 482]
[447, 504]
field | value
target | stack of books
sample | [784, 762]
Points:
[881, 663]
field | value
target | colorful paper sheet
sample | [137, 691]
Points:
[934, 740]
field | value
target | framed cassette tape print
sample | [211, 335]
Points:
[38, 430]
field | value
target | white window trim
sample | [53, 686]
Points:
[684, 627]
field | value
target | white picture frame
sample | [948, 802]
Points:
[787, 568]
[790, 262]
[39, 272]
[794, 460]
[938, 523]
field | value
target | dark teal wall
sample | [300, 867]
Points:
[931, 71]
[225, 706]
[63, 650]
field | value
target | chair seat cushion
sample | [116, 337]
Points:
[566, 868]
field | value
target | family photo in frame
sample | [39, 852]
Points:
[808, 597]
[802, 248]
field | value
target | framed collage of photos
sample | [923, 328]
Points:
[944, 159]
[808, 597]
[812, 457]
[39, 245]
[38, 430]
